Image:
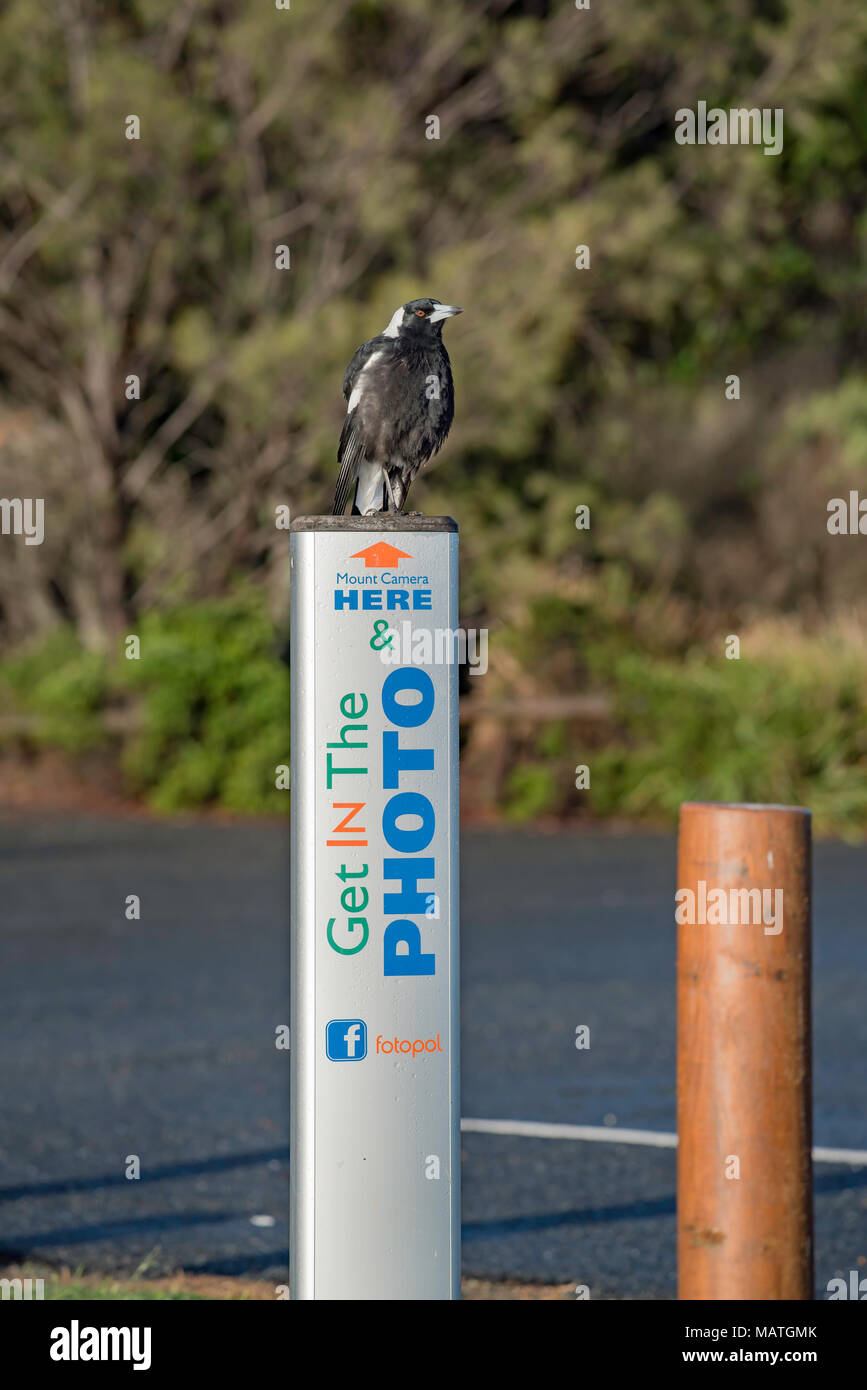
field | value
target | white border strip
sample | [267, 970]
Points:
[603, 1134]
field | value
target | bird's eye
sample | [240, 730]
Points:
[420, 313]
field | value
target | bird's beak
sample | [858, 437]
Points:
[444, 311]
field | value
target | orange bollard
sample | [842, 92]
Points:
[744, 1165]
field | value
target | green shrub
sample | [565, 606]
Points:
[62, 688]
[531, 790]
[209, 710]
[788, 725]
[215, 707]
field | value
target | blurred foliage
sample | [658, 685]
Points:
[210, 704]
[602, 387]
[789, 723]
[62, 687]
[215, 708]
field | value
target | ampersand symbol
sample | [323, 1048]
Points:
[380, 628]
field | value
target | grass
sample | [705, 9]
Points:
[73, 1286]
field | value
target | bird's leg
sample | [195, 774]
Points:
[395, 492]
[403, 492]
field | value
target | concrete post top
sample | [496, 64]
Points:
[383, 521]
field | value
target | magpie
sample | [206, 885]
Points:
[400, 398]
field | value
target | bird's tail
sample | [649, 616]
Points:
[369, 493]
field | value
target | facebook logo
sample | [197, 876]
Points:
[346, 1040]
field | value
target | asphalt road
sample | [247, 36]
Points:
[155, 1038]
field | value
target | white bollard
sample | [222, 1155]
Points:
[375, 1137]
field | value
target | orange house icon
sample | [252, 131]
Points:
[381, 556]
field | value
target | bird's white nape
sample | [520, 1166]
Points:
[393, 324]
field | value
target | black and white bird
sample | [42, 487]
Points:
[401, 404]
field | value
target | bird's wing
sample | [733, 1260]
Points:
[350, 455]
[350, 452]
[359, 361]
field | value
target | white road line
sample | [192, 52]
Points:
[840, 1155]
[605, 1134]
[538, 1129]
